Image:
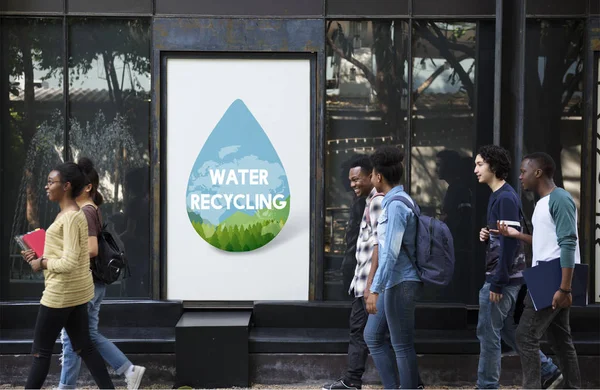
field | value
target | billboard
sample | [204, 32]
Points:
[238, 178]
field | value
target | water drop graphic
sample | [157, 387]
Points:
[238, 197]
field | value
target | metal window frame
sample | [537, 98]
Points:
[5, 295]
[66, 114]
[165, 55]
[166, 43]
[361, 10]
[590, 154]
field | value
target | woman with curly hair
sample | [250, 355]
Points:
[396, 286]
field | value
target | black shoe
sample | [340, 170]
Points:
[341, 384]
[554, 381]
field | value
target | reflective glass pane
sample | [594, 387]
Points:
[367, 90]
[554, 99]
[109, 98]
[32, 140]
[443, 139]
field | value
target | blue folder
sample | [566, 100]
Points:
[544, 280]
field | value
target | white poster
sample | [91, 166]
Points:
[238, 179]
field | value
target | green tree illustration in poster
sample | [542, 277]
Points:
[242, 232]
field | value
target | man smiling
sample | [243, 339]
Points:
[366, 264]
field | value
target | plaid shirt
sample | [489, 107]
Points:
[367, 239]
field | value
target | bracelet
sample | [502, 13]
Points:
[564, 291]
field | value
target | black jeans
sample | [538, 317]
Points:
[555, 323]
[357, 350]
[47, 328]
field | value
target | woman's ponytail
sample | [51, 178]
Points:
[87, 167]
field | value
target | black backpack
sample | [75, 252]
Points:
[110, 262]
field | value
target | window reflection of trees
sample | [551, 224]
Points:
[443, 137]
[443, 101]
[367, 106]
[109, 100]
[367, 92]
[109, 95]
[554, 97]
[31, 145]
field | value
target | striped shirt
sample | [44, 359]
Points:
[365, 245]
[68, 279]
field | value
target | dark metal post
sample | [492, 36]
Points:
[66, 113]
[512, 91]
[318, 134]
[498, 71]
[4, 131]
[409, 128]
[590, 153]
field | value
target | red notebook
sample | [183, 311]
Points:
[36, 240]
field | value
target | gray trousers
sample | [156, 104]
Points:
[555, 323]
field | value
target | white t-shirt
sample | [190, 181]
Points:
[555, 229]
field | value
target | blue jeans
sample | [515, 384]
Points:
[71, 362]
[496, 322]
[396, 311]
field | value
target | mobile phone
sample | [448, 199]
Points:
[514, 224]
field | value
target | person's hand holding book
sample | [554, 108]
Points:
[28, 255]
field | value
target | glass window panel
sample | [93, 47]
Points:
[554, 99]
[109, 98]
[32, 141]
[443, 139]
[367, 90]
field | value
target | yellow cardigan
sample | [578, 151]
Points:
[68, 279]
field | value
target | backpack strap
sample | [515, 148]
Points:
[417, 212]
[414, 208]
[98, 220]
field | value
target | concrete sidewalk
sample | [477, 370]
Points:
[301, 371]
[308, 385]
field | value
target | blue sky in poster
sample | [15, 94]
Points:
[237, 142]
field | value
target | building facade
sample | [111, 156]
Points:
[438, 79]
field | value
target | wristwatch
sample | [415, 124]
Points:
[567, 292]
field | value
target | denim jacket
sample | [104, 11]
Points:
[397, 226]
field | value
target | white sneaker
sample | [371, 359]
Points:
[133, 377]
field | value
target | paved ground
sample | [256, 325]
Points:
[310, 385]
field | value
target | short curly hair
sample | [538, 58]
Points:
[363, 161]
[498, 158]
[387, 161]
[544, 162]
